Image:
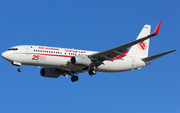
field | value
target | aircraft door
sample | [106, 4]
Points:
[26, 56]
[27, 50]
[133, 61]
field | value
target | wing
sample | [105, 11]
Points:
[98, 58]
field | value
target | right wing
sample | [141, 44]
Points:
[98, 58]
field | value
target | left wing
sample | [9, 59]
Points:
[98, 58]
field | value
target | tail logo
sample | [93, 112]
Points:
[142, 45]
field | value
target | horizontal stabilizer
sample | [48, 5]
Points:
[157, 56]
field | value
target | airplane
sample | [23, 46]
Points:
[62, 61]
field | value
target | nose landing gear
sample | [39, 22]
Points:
[19, 69]
[17, 64]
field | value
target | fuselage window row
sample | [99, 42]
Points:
[73, 54]
[55, 52]
[47, 51]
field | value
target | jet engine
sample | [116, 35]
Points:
[50, 72]
[80, 60]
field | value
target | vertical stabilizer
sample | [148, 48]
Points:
[141, 49]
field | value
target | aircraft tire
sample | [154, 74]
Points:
[20, 69]
[92, 72]
[74, 78]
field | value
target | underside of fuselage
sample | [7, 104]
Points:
[118, 65]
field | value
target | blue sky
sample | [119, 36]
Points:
[91, 25]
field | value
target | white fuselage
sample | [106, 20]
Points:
[60, 58]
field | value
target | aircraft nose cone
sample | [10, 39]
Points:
[3, 55]
[7, 56]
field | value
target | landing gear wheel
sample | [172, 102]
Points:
[20, 69]
[74, 78]
[92, 72]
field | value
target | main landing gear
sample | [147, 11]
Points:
[74, 77]
[92, 72]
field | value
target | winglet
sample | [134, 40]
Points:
[156, 30]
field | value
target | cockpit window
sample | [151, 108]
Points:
[14, 49]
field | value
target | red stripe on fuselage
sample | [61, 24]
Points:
[46, 54]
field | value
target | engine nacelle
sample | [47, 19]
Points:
[50, 72]
[80, 60]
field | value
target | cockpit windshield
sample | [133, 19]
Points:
[14, 49]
